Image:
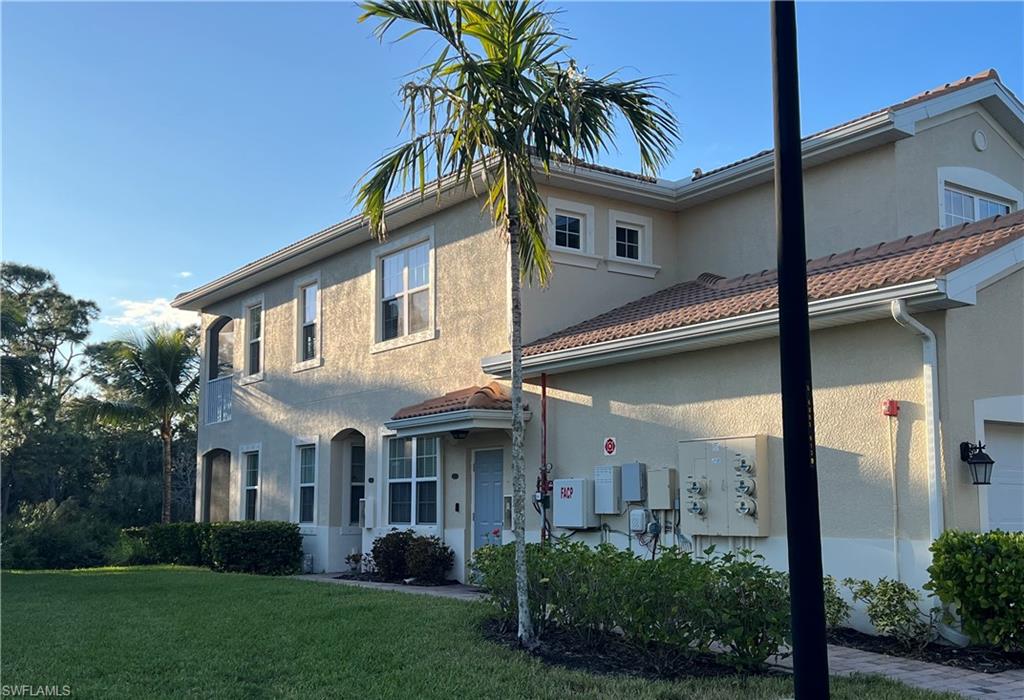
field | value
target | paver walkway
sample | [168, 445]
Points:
[842, 661]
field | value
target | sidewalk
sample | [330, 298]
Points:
[842, 661]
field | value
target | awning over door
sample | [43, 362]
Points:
[486, 407]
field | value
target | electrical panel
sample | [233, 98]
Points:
[573, 504]
[638, 520]
[634, 482]
[725, 489]
[661, 488]
[607, 490]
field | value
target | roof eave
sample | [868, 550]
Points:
[824, 313]
[465, 419]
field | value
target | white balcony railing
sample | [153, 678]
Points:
[218, 399]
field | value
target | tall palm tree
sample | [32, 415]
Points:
[148, 380]
[502, 99]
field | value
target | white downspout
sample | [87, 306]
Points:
[931, 413]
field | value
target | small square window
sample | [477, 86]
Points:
[627, 242]
[567, 231]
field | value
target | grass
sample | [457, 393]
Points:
[169, 631]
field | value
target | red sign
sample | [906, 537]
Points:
[566, 492]
[610, 446]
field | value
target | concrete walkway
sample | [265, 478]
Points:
[842, 661]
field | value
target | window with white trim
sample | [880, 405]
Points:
[308, 347]
[413, 465]
[357, 482]
[567, 231]
[252, 485]
[627, 242]
[964, 206]
[307, 483]
[405, 292]
[254, 339]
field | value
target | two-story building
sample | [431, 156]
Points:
[354, 386]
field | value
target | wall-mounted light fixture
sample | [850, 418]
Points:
[460, 434]
[978, 462]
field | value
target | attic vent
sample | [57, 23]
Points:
[709, 279]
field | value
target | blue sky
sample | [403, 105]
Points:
[148, 147]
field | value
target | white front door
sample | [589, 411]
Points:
[1005, 445]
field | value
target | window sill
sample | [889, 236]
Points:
[575, 258]
[250, 378]
[632, 267]
[402, 341]
[308, 364]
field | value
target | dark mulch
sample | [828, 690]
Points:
[609, 654]
[983, 659]
[375, 578]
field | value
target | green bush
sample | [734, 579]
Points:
[428, 559]
[130, 549]
[50, 536]
[980, 576]
[837, 610]
[256, 547]
[187, 544]
[892, 608]
[390, 554]
[674, 606]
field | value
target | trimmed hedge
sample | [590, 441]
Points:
[256, 547]
[980, 576]
[402, 554]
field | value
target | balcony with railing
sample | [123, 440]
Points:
[218, 399]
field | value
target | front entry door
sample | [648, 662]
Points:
[487, 492]
[1006, 493]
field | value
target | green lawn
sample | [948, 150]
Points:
[161, 632]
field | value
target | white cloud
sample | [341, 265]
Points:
[151, 312]
[184, 275]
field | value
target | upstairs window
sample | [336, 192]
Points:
[308, 330]
[252, 484]
[307, 483]
[627, 242]
[254, 337]
[962, 206]
[405, 292]
[567, 231]
[412, 480]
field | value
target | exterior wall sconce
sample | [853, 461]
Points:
[459, 434]
[978, 462]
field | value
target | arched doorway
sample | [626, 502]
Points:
[216, 486]
[348, 477]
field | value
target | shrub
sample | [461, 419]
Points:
[837, 610]
[981, 577]
[389, 554]
[892, 608]
[130, 549]
[428, 559]
[187, 544]
[256, 547]
[51, 536]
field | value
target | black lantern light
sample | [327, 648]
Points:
[460, 434]
[978, 462]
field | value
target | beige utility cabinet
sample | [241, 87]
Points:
[725, 487]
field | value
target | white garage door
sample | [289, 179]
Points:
[1005, 444]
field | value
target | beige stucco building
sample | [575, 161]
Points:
[354, 386]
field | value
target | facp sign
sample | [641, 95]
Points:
[610, 446]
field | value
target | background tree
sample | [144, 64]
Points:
[147, 381]
[501, 100]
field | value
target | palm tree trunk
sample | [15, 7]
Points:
[165, 437]
[526, 636]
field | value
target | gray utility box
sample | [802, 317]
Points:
[634, 482]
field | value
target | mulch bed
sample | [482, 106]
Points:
[375, 578]
[982, 659]
[610, 655]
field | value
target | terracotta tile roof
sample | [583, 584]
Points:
[989, 74]
[712, 298]
[492, 397]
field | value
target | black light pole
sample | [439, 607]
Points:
[803, 526]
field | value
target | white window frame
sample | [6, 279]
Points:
[297, 484]
[414, 481]
[250, 303]
[644, 265]
[976, 183]
[243, 453]
[353, 514]
[584, 257]
[378, 344]
[298, 309]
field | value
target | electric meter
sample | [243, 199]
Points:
[745, 486]
[744, 466]
[695, 487]
[695, 506]
[746, 506]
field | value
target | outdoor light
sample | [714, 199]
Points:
[978, 461]
[460, 434]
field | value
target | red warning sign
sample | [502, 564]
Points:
[610, 446]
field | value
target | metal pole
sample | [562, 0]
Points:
[803, 526]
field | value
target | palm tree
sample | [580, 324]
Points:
[501, 100]
[148, 380]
